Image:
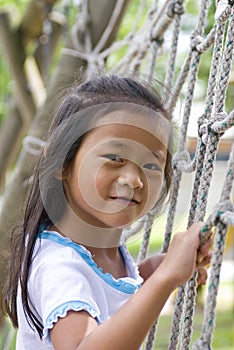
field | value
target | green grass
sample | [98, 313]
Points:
[223, 334]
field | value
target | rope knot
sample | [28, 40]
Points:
[181, 160]
[175, 8]
[223, 207]
[218, 215]
[196, 40]
[223, 122]
[223, 10]
[216, 119]
[156, 40]
[215, 125]
[203, 129]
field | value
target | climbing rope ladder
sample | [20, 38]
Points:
[211, 126]
[143, 49]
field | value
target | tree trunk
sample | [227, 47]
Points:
[32, 21]
[22, 107]
[15, 56]
[10, 137]
[46, 48]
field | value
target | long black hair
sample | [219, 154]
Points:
[94, 92]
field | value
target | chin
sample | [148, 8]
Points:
[121, 224]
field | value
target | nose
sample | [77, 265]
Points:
[131, 176]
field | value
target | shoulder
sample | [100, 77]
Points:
[52, 243]
[58, 255]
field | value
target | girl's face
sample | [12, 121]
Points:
[118, 171]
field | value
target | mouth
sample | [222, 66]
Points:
[125, 200]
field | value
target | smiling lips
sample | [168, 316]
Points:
[126, 200]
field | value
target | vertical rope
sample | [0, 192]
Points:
[212, 145]
[204, 342]
[175, 10]
[211, 89]
[154, 53]
[209, 103]
[178, 11]
[145, 242]
[225, 70]
[189, 96]
[173, 98]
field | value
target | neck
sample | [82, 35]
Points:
[86, 234]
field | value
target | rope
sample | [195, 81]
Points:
[147, 231]
[209, 160]
[177, 10]
[202, 122]
[192, 284]
[33, 145]
[226, 207]
[195, 57]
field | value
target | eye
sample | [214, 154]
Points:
[114, 158]
[152, 166]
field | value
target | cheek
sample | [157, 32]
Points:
[154, 187]
[94, 184]
[103, 181]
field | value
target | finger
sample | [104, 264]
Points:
[204, 250]
[204, 261]
[201, 256]
[202, 275]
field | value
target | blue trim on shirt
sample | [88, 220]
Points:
[62, 310]
[118, 284]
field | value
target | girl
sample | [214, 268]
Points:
[107, 163]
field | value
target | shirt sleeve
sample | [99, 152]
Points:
[59, 285]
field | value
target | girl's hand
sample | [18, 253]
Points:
[184, 256]
[149, 265]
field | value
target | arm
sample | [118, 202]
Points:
[127, 329]
[149, 265]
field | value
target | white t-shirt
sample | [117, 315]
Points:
[64, 277]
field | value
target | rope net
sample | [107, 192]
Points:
[143, 50]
